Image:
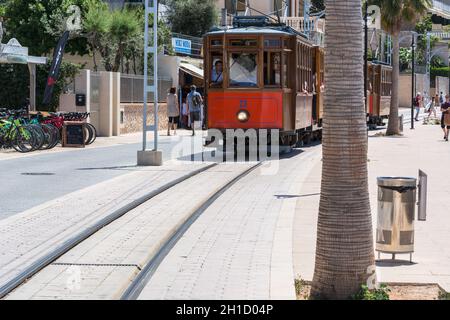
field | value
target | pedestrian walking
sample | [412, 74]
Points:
[173, 111]
[417, 102]
[184, 114]
[445, 120]
[194, 104]
[431, 108]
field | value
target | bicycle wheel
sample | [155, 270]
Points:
[22, 139]
[39, 134]
[49, 135]
[56, 135]
[92, 134]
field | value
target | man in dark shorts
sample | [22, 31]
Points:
[194, 103]
[445, 108]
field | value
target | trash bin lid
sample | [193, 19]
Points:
[397, 182]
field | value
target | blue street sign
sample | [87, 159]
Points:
[182, 45]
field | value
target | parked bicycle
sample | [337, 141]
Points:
[26, 133]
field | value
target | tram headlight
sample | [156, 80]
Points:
[243, 116]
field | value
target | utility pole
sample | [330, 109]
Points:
[153, 157]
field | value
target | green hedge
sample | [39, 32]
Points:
[439, 72]
[15, 81]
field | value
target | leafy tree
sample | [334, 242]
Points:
[95, 27]
[437, 62]
[38, 24]
[14, 81]
[118, 36]
[422, 27]
[192, 17]
[317, 5]
[124, 26]
[405, 58]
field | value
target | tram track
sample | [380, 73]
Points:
[146, 271]
[71, 243]
[144, 276]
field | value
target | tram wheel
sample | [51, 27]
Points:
[307, 139]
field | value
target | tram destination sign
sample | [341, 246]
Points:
[182, 45]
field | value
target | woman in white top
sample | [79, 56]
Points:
[173, 111]
[431, 108]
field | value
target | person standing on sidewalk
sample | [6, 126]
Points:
[432, 106]
[445, 108]
[417, 102]
[194, 101]
[173, 111]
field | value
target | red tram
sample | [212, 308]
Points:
[379, 86]
[269, 76]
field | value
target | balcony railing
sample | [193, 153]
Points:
[311, 25]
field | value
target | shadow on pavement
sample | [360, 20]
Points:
[108, 168]
[286, 196]
[394, 263]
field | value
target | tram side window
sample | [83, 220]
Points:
[243, 69]
[272, 69]
[285, 70]
[386, 83]
[217, 70]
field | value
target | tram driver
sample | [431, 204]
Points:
[217, 73]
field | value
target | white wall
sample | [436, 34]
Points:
[168, 67]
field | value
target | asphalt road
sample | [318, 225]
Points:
[30, 181]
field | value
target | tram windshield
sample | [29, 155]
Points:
[243, 69]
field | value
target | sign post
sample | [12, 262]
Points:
[182, 45]
[150, 157]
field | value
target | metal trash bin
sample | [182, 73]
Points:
[396, 212]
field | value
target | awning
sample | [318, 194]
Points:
[14, 53]
[441, 8]
[192, 70]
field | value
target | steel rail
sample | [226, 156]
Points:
[147, 272]
[43, 262]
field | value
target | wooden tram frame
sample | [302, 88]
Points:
[379, 78]
[302, 107]
[296, 110]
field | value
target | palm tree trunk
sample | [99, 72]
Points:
[94, 59]
[344, 249]
[393, 126]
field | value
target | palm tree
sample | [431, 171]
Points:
[394, 15]
[96, 23]
[344, 249]
[124, 27]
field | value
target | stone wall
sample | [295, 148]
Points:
[442, 85]
[405, 98]
[132, 117]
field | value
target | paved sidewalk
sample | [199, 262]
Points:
[422, 148]
[29, 235]
[109, 260]
[32, 180]
[241, 247]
